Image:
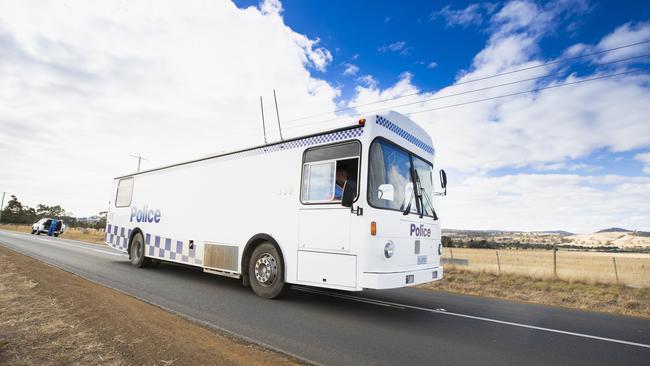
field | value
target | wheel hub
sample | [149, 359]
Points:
[266, 269]
[135, 250]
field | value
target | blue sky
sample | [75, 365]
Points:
[91, 83]
[355, 31]
[434, 49]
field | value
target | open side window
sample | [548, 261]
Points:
[124, 192]
[326, 170]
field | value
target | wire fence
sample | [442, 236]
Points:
[632, 269]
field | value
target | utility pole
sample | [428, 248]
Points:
[2, 204]
[140, 158]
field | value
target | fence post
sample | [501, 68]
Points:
[554, 260]
[498, 262]
[615, 269]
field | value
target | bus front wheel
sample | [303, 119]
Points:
[266, 272]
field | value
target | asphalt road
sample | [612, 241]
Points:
[404, 326]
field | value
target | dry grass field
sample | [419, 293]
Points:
[87, 235]
[631, 269]
[609, 298]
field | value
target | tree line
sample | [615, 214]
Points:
[448, 242]
[17, 213]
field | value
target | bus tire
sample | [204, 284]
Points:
[266, 271]
[136, 251]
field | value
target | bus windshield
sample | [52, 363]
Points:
[391, 182]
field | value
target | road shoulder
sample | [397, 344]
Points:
[50, 316]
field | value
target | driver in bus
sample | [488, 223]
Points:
[341, 178]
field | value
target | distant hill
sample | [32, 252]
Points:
[503, 232]
[559, 232]
[612, 238]
[614, 230]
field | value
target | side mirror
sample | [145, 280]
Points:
[443, 179]
[386, 192]
[349, 190]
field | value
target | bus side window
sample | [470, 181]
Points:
[318, 182]
[124, 192]
[326, 170]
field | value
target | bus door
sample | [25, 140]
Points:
[324, 234]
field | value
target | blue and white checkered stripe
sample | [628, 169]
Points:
[155, 246]
[170, 249]
[403, 134]
[118, 237]
[308, 141]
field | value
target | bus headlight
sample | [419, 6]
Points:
[389, 248]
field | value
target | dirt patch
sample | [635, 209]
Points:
[617, 299]
[51, 317]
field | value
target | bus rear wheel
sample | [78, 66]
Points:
[136, 252]
[266, 272]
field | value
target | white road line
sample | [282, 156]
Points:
[444, 312]
[101, 251]
[63, 242]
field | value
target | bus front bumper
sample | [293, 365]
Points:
[386, 280]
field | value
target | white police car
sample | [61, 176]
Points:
[43, 227]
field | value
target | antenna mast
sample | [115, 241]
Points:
[263, 125]
[140, 158]
[277, 114]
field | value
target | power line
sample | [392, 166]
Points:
[295, 126]
[458, 94]
[247, 131]
[494, 97]
[529, 91]
[475, 80]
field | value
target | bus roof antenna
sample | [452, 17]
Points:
[263, 125]
[277, 114]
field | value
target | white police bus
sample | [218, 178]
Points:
[346, 209]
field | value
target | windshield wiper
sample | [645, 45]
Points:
[433, 210]
[424, 194]
[407, 209]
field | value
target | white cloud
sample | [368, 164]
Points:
[271, 7]
[368, 80]
[399, 46]
[645, 159]
[567, 166]
[84, 84]
[471, 15]
[628, 33]
[432, 65]
[319, 57]
[546, 202]
[350, 69]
